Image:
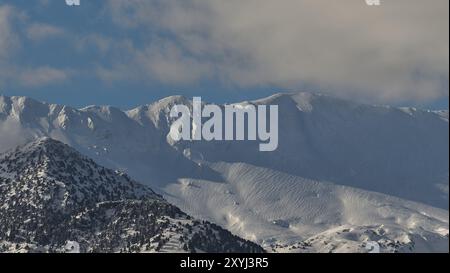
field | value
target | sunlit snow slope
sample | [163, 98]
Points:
[344, 173]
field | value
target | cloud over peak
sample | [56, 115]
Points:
[396, 51]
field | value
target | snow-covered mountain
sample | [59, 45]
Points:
[344, 173]
[54, 200]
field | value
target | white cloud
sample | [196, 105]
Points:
[13, 24]
[41, 76]
[160, 61]
[12, 134]
[397, 51]
[8, 38]
[40, 31]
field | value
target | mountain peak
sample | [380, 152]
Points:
[59, 197]
[47, 163]
[47, 142]
[46, 146]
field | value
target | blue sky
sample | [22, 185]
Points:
[131, 52]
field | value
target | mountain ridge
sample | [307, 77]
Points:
[52, 196]
[384, 157]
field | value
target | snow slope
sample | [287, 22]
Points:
[279, 210]
[339, 166]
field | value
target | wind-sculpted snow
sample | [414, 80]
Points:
[53, 197]
[281, 211]
[339, 166]
[278, 209]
